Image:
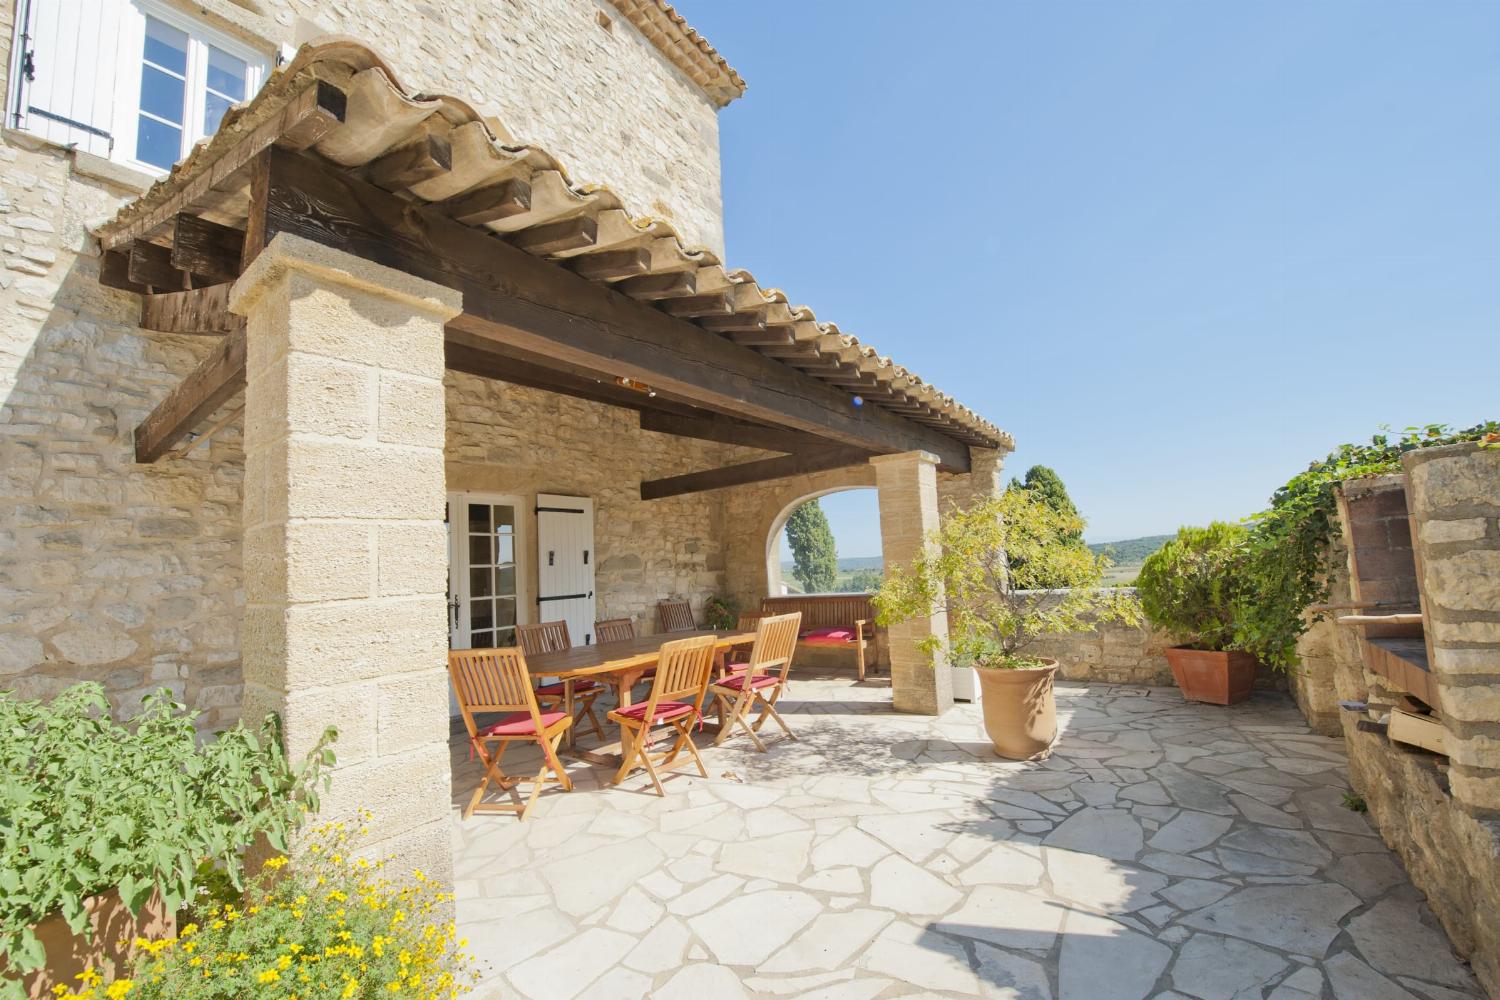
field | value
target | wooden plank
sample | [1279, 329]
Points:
[206, 248]
[427, 157]
[558, 237]
[255, 218]
[204, 390]
[199, 311]
[114, 272]
[648, 287]
[489, 204]
[714, 304]
[151, 264]
[319, 100]
[749, 322]
[514, 299]
[612, 265]
[325, 113]
[1425, 731]
[725, 430]
[753, 472]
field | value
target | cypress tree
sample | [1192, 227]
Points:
[815, 562]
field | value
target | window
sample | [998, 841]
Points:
[140, 84]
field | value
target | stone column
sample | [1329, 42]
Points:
[344, 549]
[1454, 496]
[907, 484]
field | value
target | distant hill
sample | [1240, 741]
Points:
[1130, 551]
[846, 565]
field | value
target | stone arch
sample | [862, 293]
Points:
[756, 516]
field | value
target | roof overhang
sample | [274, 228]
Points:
[561, 284]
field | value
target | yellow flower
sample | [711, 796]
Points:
[268, 976]
[277, 862]
[119, 988]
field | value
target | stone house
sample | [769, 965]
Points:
[370, 371]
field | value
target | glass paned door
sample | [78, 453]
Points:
[484, 585]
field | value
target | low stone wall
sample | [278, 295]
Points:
[1124, 654]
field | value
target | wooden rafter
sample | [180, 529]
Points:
[725, 430]
[753, 472]
[199, 311]
[521, 302]
[206, 388]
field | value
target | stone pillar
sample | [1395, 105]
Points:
[907, 484]
[1454, 496]
[344, 550]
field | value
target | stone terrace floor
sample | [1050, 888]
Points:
[1166, 849]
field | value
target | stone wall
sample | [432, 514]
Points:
[1452, 855]
[131, 575]
[514, 440]
[1113, 653]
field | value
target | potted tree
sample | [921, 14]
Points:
[996, 613]
[1190, 588]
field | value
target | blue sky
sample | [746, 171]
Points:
[1178, 249]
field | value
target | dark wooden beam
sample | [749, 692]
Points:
[200, 311]
[206, 249]
[204, 390]
[309, 112]
[255, 219]
[114, 272]
[489, 204]
[524, 303]
[570, 234]
[612, 265]
[462, 356]
[725, 430]
[151, 264]
[428, 157]
[753, 472]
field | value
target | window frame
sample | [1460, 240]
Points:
[128, 84]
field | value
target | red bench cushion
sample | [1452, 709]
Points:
[828, 636]
[520, 724]
[664, 710]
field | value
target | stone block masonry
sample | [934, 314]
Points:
[336, 485]
[1454, 494]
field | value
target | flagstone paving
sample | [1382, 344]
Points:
[1164, 850]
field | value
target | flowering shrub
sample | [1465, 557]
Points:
[88, 804]
[324, 925]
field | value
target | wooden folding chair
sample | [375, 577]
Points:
[737, 658]
[761, 682]
[614, 630]
[552, 637]
[675, 616]
[496, 680]
[682, 674]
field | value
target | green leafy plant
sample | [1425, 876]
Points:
[996, 610]
[720, 613]
[815, 561]
[88, 804]
[1286, 567]
[1191, 586]
[1046, 485]
[321, 924]
[1355, 802]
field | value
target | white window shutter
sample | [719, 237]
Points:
[73, 48]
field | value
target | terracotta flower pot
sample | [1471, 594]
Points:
[1211, 676]
[1020, 713]
[111, 947]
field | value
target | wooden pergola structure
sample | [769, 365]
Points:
[346, 241]
[562, 290]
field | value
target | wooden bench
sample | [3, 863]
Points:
[830, 621]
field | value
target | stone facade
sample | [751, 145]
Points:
[1112, 653]
[131, 575]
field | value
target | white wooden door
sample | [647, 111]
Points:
[486, 591]
[565, 563]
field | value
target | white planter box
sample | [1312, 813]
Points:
[965, 686]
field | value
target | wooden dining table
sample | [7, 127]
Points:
[619, 664]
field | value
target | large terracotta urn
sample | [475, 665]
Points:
[108, 948]
[1211, 676]
[1020, 712]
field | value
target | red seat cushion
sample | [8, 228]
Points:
[738, 668]
[828, 636]
[520, 724]
[579, 687]
[737, 682]
[664, 710]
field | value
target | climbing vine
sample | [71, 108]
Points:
[1287, 567]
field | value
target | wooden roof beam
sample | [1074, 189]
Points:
[753, 472]
[206, 388]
